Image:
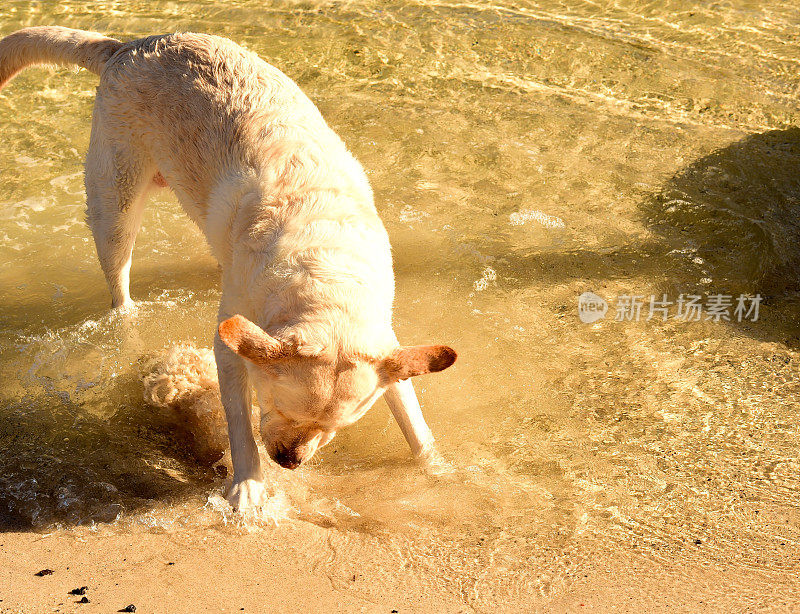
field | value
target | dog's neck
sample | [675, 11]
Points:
[314, 267]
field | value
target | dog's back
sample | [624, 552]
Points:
[204, 106]
[253, 163]
[231, 133]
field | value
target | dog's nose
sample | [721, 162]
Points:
[286, 459]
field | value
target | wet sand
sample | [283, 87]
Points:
[260, 572]
[272, 570]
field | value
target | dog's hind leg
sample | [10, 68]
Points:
[117, 180]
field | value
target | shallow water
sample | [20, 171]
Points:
[521, 153]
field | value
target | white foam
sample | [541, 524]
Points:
[518, 218]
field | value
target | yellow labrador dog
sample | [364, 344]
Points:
[307, 281]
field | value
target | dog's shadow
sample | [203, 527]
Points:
[728, 223]
[734, 215]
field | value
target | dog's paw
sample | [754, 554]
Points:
[247, 495]
[127, 308]
[433, 463]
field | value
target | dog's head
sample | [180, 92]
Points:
[305, 398]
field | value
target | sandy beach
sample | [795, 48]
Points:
[301, 568]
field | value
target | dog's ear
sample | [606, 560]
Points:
[409, 361]
[251, 342]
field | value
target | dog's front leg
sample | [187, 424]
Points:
[402, 400]
[247, 490]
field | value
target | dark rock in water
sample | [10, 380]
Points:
[83, 600]
[128, 608]
[44, 572]
[79, 591]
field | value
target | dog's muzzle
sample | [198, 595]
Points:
[286, 459]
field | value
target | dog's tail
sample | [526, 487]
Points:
[53, 45]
